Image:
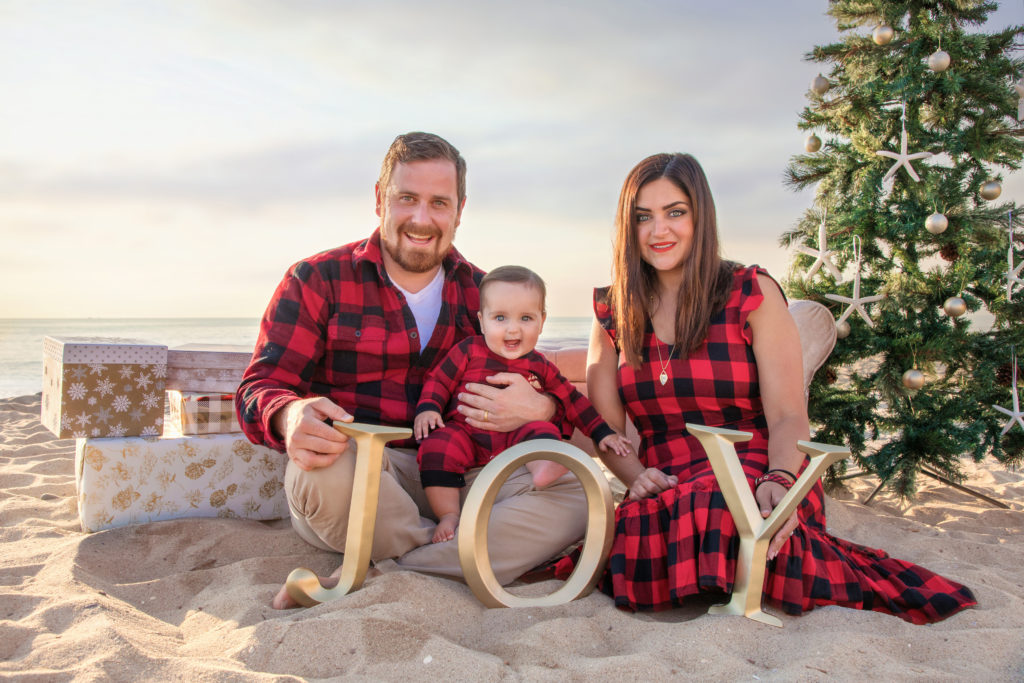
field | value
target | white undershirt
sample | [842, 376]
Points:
[425, 306]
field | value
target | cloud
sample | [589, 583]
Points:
[238, 135]
[314, 170]
[255, 101]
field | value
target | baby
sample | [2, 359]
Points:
[511, 318]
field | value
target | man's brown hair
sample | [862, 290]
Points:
[418, 146]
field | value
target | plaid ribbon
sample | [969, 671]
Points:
[204, 413]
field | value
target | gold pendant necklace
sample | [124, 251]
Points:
[663, 377]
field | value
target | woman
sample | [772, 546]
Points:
[683, 336]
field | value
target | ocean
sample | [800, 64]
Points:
[21, 340]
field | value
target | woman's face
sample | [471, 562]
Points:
[664, 224]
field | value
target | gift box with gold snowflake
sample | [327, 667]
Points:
[95, 387]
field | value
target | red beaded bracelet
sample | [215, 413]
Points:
[792, 477]
[782, 481]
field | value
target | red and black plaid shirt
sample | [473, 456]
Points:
[472, 361]
[337, 327]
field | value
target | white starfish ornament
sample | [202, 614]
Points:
[1016, 415]
[856, 303]
[902, 157]
[822, 255]
[1013, 275]
[1019, 87]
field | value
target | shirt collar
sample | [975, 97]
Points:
[369, 251]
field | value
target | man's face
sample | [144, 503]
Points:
[419, 212]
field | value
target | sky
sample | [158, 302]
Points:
[172, 159]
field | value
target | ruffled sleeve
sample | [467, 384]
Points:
[748, 289]
[603, 312]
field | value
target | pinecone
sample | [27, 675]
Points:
[1004, 375]
[830, 376]
[949, 252]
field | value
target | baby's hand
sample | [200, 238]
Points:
[616, 443]
[424, 422]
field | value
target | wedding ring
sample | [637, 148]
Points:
[486, 415]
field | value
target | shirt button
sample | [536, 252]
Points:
[359, 333]
[414, 335]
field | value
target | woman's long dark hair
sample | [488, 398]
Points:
[707, 279]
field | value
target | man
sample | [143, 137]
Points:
[350, 334]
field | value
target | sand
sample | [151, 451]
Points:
[189, 599]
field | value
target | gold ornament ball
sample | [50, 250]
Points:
[936, 224]
[813, 143]
[820, 84]
[843, 329]
[991, 190]
[954, 307]
[938, 61]
[882, 35]
[913, 379]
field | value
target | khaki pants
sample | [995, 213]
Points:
[527, 526]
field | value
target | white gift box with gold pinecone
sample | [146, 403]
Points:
[137, 480]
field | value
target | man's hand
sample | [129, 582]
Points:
[424, 422]
[650, 483]
[502, 410]
[308, 440]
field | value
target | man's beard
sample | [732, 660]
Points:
[413, 260]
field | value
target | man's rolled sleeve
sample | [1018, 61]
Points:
[289, 346]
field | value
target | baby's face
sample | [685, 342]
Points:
[511, 318]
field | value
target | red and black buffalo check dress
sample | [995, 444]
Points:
[684, 541]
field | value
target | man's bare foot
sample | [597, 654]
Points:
[445, 530]
[284, 601]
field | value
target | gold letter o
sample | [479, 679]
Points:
[476, 513]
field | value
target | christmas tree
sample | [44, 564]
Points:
[912, 124]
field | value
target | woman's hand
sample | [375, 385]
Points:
[768, 495]
[650, 483]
